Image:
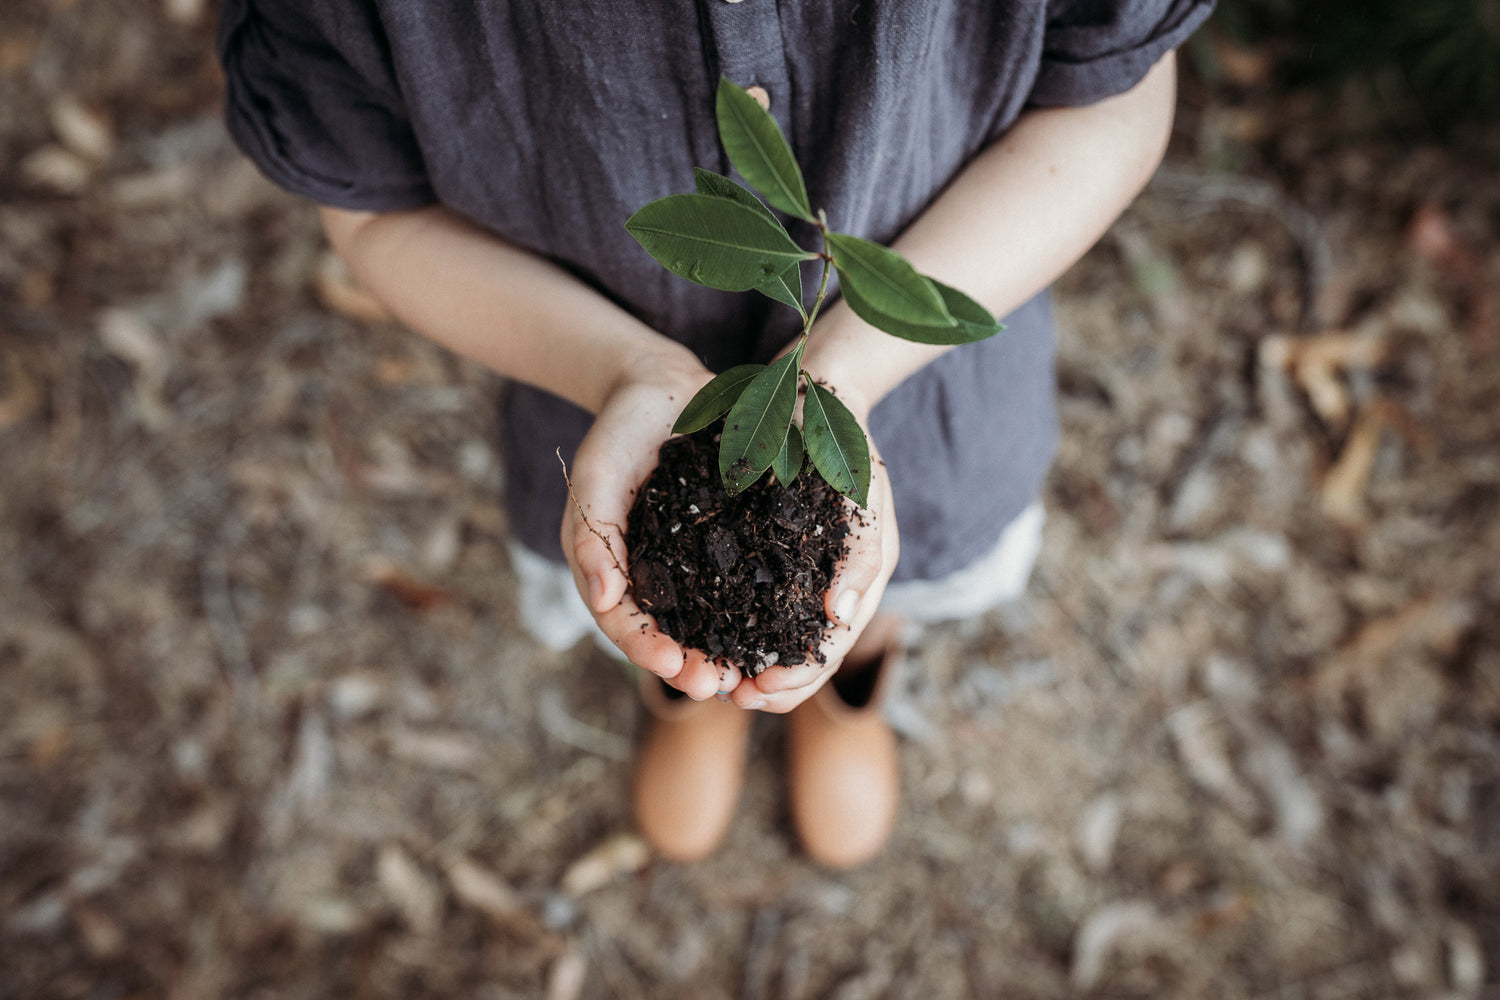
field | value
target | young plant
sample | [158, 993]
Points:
[725, 237]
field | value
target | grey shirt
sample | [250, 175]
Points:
[549, 123]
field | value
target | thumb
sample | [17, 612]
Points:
[856, 575]
[600, 563]
[597, 557]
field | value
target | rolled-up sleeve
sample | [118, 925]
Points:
[1095, 49]
[315, 104]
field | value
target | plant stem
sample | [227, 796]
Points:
[823, 284]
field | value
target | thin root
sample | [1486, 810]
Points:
[586, 522]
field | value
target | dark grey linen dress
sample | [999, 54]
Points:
[549, 122]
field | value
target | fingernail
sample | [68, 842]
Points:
[845, 606]
[757, 703]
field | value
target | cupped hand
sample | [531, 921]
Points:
[615, 458]
[852, 598]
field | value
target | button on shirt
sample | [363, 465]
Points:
[550, 123]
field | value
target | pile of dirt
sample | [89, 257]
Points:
[741, 577]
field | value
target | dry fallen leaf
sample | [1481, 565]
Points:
[443, 751]
[409, 889]
[82, 130]
[412, 593]
[57, 169]
[480, 889]
[1202, 745]
[621, 854]
[1344, 486]
[568, 974]
[1098, 830]
[1111, 928]
[1316, 362]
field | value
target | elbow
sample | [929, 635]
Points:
[345, 229]
[1158, 92]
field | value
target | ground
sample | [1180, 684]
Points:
[268, 727]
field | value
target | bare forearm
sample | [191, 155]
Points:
[1017, 217]
[496, 304]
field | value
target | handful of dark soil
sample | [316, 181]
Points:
[740, 577]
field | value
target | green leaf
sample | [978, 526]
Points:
[789, 462]
[714, 241]
[785, 287]
[974, 320]
[714, 400]
[836, 444]
[756, 425]
[720, 186]
[887, 282]
[759, 151]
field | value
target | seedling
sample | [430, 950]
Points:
[723, 236]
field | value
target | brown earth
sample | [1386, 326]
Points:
[268, 727]
[741, 577]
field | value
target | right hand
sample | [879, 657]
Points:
[613, 461]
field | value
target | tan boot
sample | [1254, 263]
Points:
[689, 771]
[842, 769]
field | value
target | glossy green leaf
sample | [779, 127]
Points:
[836, 444]
[755, 426]
[714, 400]
[720, 186]
[789, 461]
[785, 287]
[884, 279]
[714, 241]
[974, 320]
[759, 151]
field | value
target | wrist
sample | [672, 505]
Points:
[860, 363]
[666, 366]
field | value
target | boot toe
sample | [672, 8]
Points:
[844, 778]
[844, 810]
[688, 776]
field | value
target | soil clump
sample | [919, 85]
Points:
[740, 577]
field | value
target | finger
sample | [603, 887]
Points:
[775, 679]
[642, 642]
[857, 572]
[604, 583]
[699, 678]
[729, 678]
[781, 702]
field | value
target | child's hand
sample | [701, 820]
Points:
[851, 601]
[614, 459]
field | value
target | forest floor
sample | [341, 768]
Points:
[268, 727]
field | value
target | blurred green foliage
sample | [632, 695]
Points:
[1437, 60]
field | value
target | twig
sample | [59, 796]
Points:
[586, 522]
